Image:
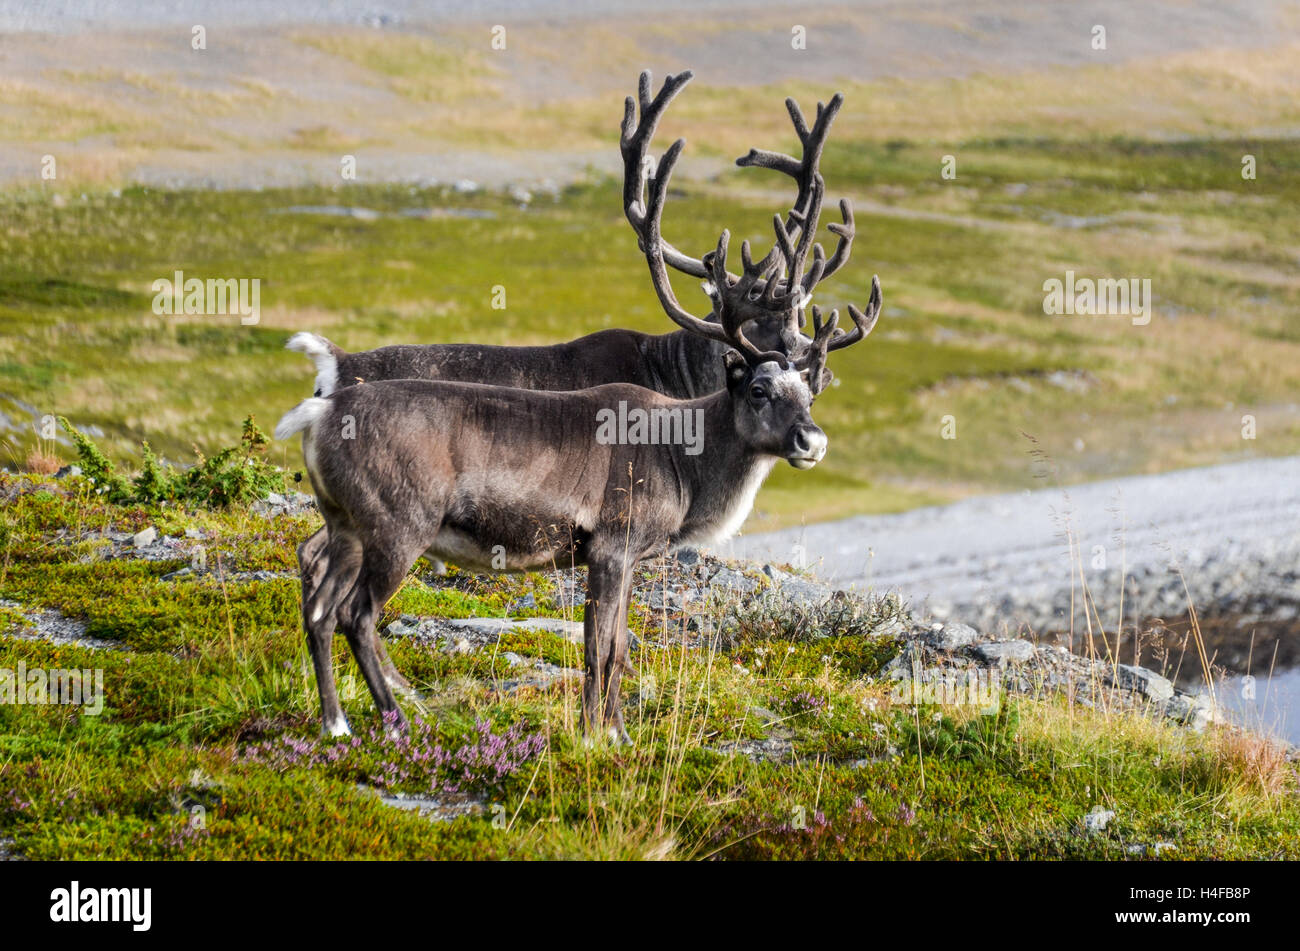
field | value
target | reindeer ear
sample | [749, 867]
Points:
[736, 366]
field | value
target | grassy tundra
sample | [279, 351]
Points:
[767, 739]
[207, 745]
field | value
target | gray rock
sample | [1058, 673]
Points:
[483, 625]
[672, 597]
[1146, 682]
[728, 579]
[540, 676]
[526, 603]
[405, 626]
[804, 593]
[569, 630]
[1005, 652]
[66, 471]
[145, 538]
[1194, 710]
[951, 636]
[1097, 819]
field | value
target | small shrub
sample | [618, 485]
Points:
[236, 474]
[774, 617]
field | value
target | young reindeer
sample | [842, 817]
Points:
[472, 472]
[683, 364]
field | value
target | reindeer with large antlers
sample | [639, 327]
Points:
[479, 473]
[678, 364]
[766, 302]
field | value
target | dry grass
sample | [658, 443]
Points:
[42, 463]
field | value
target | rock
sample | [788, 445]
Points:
[728, 579]
[405, 626]
[804, 593]
[1196, 711]
[909, 661]
[194, 533]
[1097, 819]
[1140, 680]
[526, 603]
[672, 597]
[145, 538]
[66, 471]
[482, 625]
[687, 556]
[951, 636]
[771, 750]
[1005, 652]
[569, 630]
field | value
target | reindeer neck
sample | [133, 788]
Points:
[686, 365]
[720, 481]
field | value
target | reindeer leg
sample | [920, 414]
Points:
[381, 574]
[320, 604]
[615, 663]
[604, 625]
[312, 565]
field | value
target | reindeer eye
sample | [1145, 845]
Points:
[758, 393]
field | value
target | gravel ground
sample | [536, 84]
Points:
[1233, 530]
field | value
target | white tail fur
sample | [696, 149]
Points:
[301, 416]
[321, 353]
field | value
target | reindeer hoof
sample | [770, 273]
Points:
[338, 727]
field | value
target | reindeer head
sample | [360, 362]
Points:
[771, 406]
[768, 299]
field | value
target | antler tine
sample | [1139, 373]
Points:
[818, 267]
[634, 143]
[846, 233]
[814, 359]
[863, 323]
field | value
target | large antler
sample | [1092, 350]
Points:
[645, 189]
[641, 173]
[639, 167]
[806, 212]
[828, 336]
[782, 282]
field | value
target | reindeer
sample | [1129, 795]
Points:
[484, 474]
[684, 364]
[680, 364]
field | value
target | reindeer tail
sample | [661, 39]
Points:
[324, 354]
